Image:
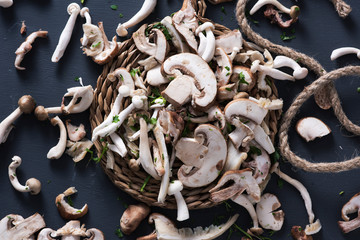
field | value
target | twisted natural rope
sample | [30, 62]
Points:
[342, 8]
[322, 86]
[295, 106]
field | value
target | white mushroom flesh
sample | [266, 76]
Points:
[175, 189]
[310, 128]
[78, 150]
[57, 151]
[82, 98]
[268, 217]
[75, 133]
[344, 51]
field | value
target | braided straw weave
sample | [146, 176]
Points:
[121, 175]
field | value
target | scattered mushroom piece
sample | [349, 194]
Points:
[16, 227]
[165, 229]
[57, 151]
[175, 189]
[132, 217]
[196, 67]
[174, 96]
[234, 158]
[26, 46]
[26, 105]
[92, 40]
[283, 61]
[243, 201]
[32, 185]
[175, 37]
[263, 139]
[239, 180]
[268, 217]
[224, 70]
[186, 23]
[23, 28]
[172, 124]
[6, 3]
[213, 161]
[344, 51]
[73, 10]
[276, 104]
[66, 211]
[148, 63]
[191, 151]
[84, 13]
[275, 16]
[261, 165]
[243, 133]
[145, 10]
[75, 133]
[269, 71]
[298, 233]
[81, 99]
[155, 78]
[245, 108]
[352, 206]
[206, 48]
[244, 77]
[312, 227]
[229, 41]
[77, 150]
[293, 12]
[310, 128]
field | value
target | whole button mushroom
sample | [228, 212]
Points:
[132, 217]
[26, 105]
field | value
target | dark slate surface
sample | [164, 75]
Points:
[318, 32]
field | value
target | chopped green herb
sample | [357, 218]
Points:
[77, 79]
[121, 15]
[82, 1]
[78, 211]
[341, 193]
[218, 219]
[228, 73]
[242, 78]
[221, 18]
[102, 139]
[48, 181]
[280, 183]
[69, 200]
[115, 119]
[171, 15]
[121, 77]
[247, 14]
[186, 130]
[97, 159]
[242, 230]
[227, 206]
[119, 233]
[162, 28]
[134, 128]
[155, 159]
[96, 45]
[227, 68]
[153, 121]
[171, 78]
[275, 157]
[228, 89]
[254, 150]
[268, 81]
[145, 183]
[114, 7]
[229, 127]
[135, 71]
[285, 37]
[358, 89]
[223, 10]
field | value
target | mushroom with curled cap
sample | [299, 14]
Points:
[234, 158]
[235, 182]
[159, 49]
[57, 151]
[14, 227]
[66, 211]
[310, 128]
[268, 217]
[229, 41]
[165, 229]
[206, 48]
[283, 61]
[175, 189]
[32, 185]
[186, 23]
[352, 206]
[145, 10]
[344, 51]
[78, 150]
[26, 105]
[26, 46]
[132, 217]
[193, 174]
[71, 231]
[73, 10]
[194, 66]
[312, 227]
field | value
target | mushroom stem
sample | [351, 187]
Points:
[32, 185]
[283, 61]
[207, 44]
[268, 71]
[344, 51]
[73, 10]
[175, 189]
[119, 143]
[57, 151]
[147, 7]
[293, 12]
[84, 12]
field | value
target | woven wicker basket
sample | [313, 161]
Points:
[131, 181]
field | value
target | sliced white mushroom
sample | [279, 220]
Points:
[344, 51]
[110, 50]
[243, 133]
[352, 206]
[175, 189]
[16, 227]
[229, 41]
[84, 13]
[214, 160]
[276, 104]
[224, 70]
[174, 96]
[268, 217]
[66, 211]
[57, 151]
[81, 99]
[26, 46]
[244, 201]
[269, 71]
[148, 63]
[293, 12]
[283, 61]
[186, 23]
[6, 3]
[234, 158]
[157, 159]
[207, 41]
[75, 133]
[245, 108]
[119, 145]
[260, 164]
[196, 67]
[310, 128]
[165, 229]
[32, 185]
[145, 10]
[244, 78]
[191, 151]
[263, 139]
[78, 150]
[26, 105]
[175, 37]
[235, 182]
[73, 10]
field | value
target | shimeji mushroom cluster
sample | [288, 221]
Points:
[189, 104]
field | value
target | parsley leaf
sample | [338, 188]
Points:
[242, 78]
[135, 71]
[96, 45]
[254, 150]
[121, 15]
[115, 119]
[285, 37]
[145, 183]
[114, 7]
[119, 233]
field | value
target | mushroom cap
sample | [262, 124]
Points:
[34, 186]
[73, 8]
[352, 206]
[83, 11]
[265, 210]
[41, 113]
[229, 41]
[175, 187]
[294, 12]
[94, 234]
[132, 217]
[26, 104]
[213, 162]
[245, 108]
[66, 211]
[313, 228]
[310, 128]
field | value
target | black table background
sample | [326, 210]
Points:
[319, 31]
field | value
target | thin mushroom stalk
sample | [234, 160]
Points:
[344, 51]
[147, 7]
[32, 185]
[175, 189]
[57, 151]
[84, 12]
[73, 10]
[293, 12]
[26, 46]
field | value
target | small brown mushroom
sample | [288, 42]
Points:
[132, 217]
[23, 28]
[299, 234]
[66, 211]
[275, 17]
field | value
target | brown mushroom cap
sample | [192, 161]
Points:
[294, 12]
[41, 113]
[132, 217]
[34, 185]
[26, 104]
